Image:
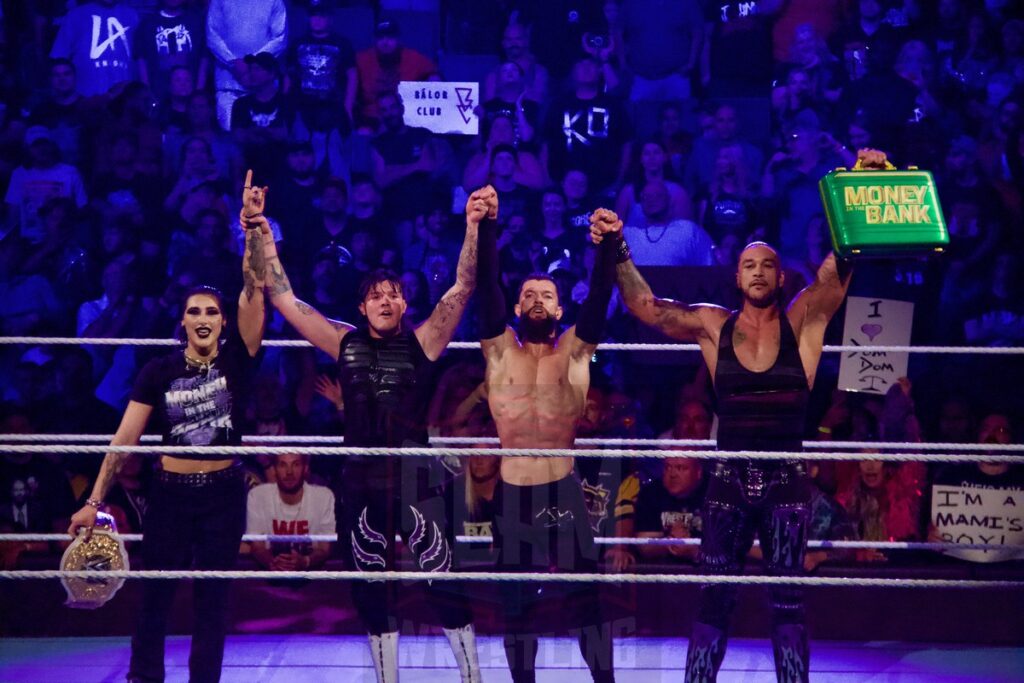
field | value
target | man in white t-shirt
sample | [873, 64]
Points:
[290, 507]
[657, 240]
[42, 179]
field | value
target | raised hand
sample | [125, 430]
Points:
[483, 203]
[604, 222]
[331, 390]
[253, 198]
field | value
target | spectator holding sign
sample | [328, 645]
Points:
[291, 506]
[995, 428]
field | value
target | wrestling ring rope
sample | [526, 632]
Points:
[56, 444]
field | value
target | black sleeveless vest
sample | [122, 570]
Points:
[761, 411]
[385, 390]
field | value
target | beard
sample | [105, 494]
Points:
[773, 298]
[292, 488]
[390, 60]
[537, 331]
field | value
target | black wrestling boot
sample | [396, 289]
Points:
[705, 654]
[792, 653]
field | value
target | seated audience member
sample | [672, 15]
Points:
[828, 522]
[469, 495]
[995, 428]
[670, 507]
[42, 177]
[882, 506]
[651, 163]
[658, 239]
[579, 204]
[510, 100]
[473, 497]
[731, 207]
[403, 160]
[126, 501]
[515, 45]
[261, 119]
[28, 303]
[723, 131]
[528, 170]
[693, 421]
[515, 197]
[291, 506]
[383, 66]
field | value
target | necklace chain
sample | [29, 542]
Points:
[647, 233]
[203, 366]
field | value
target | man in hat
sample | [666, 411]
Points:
[43, 177]
[260, 120]
[234, 30]
[382, 66]
[323, 70]
[791, 177]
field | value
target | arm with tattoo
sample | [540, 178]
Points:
[251, 305]
[136, 415]
[317, 329]
[435, 332]
[823, 297]
[684, 322]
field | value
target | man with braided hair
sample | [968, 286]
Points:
[763, 360]
[385, 374]
[537, 384]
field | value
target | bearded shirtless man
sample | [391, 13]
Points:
[537, 384]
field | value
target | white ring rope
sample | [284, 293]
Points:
[609, 346]
[472, 441]
[56, 449]
[543, 577]
[600, 540]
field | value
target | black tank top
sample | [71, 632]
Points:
[761, 411]
[386, 387]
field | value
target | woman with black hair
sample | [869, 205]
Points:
[196, 511]
[651, 162]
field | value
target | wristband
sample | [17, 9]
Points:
[825, 430]
[622, 253]
[94, 503]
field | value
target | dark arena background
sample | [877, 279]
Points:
[127, 128]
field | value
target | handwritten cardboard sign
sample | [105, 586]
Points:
[964, 514]
[446, 107]
[874, 322]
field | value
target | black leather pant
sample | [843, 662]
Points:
[546, 528]
[771, 501]
[189, 524]
[406, 499]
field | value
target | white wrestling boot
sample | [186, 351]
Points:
[463, 642]
[384, 652]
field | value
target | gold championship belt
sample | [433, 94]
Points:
[103, 551]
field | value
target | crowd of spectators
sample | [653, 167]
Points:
[126, 127]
